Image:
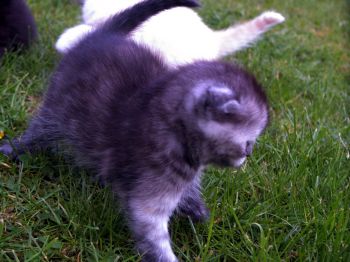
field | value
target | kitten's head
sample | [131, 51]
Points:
[231, 111]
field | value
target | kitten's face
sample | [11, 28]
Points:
[231, 117]
[229, 144]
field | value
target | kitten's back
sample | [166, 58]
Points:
[118, 66]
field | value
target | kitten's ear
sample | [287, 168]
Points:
[222, 99]
[216, 94]
[230, 107]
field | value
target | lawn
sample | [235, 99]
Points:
[290, 201]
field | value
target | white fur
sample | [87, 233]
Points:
[214, 129]
[221, 89]
[239, 135]
[178, 34]
[238, 162]
[72, 36]
[155, 214]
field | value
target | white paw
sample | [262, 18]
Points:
[269, 19]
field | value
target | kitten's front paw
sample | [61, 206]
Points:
[197, 211]
[159, 258]
[6, 149]
[268, 19]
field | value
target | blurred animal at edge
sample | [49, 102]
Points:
[17, 26]
[179, 35]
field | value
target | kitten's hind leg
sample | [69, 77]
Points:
[267, 20]
[243, 35]
[192, 204]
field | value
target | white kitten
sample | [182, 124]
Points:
[178, 35]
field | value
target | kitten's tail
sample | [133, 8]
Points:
[128, 20]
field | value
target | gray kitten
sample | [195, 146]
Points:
[144, 129]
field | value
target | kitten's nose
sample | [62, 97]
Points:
[249, 148]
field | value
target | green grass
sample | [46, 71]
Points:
[290, 202]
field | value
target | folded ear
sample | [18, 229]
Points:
[230, 107]
[215, 95]
[221, 99]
